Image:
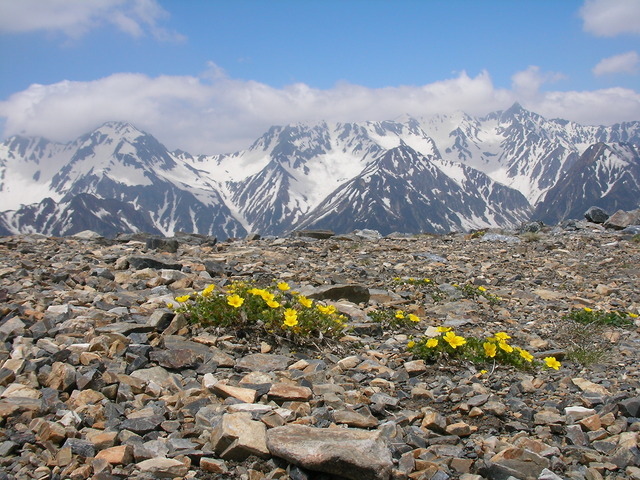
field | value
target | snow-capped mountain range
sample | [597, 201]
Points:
[435, 174]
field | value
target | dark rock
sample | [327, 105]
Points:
[140, 262]
[318, 234]
[162, 244]
[142, 425]
[81, 447]
[352, 293]
[596, 215]
[630, 407]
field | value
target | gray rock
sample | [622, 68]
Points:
[350, 453]
[498, 237]
[622, 219]
[262, 362]
[163, 244]
[141, 262]
[161, 467]
[237, 436]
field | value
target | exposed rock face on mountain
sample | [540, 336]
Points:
[605, 175]
[402, 187]
[457, 172]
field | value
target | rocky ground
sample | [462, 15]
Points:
[101, 380]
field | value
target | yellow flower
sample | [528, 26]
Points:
[235, 300]
[426, 280]
[588, 310]
[328, 310]
[414, 318]
[633, 315]
[432, 343]
[305, 302]
[505, 346]
[290, 317]
[169, 305]
[267, 296]
[454, 340]
[273, 304]
[207, 291]
[483, 372]
[444, 329]
[411, 344]
[482, 289]
[255, 291]
[551, 362]
[502, 336]
[183, 298]
[489, 349]
[400, 314]
[526, 355]
[284, 286]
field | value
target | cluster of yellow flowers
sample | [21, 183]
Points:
[448, 342]
[279, 307]
[401, 315]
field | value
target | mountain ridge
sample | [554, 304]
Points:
[497, 170]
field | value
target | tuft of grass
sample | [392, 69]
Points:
[582, 335]
[531, 237]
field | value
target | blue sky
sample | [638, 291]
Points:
[211, 76]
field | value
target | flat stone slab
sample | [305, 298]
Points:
[348, 452]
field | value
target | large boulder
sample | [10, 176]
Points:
[622, 219]
[596, 215]
[349, 452]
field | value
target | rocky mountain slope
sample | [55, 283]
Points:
[457, 172]
[99, 379]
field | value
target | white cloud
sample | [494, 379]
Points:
[527, 82]
[622, 63]
[608, 18]
[213, 113]
[75, 18]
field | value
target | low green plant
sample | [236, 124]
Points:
[389, 318]
[599, 317]
[473, 291]
[493, 349]
[636, 238]
[424, 285]
[277, 311]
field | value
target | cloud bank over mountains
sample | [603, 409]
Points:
[215, 113]
[222, 114]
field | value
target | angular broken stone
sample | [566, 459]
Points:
[236, 436]
[351, 453]
[161, 467]
[517, 462]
